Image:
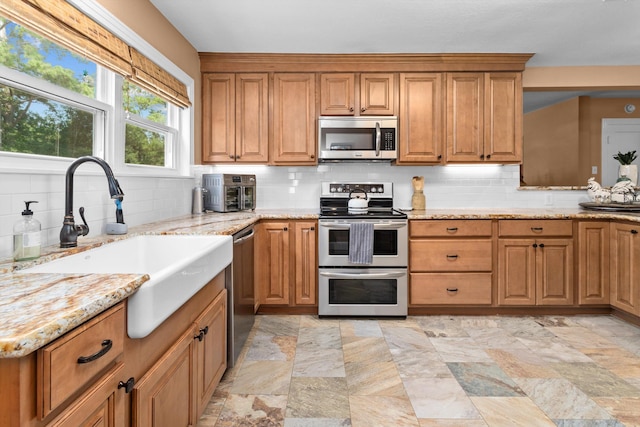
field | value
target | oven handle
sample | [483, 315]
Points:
[392, 226]
[362, 275]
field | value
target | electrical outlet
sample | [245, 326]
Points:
[594, 170]
[548, 199]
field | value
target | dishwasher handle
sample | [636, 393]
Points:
[241, 238]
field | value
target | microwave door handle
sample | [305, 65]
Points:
[378, 138]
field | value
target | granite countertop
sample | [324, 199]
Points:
[35, 308]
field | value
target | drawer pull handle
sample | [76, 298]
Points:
[106, 346]
[452, 229]
[452, 256]
[634, 231]
[452, 289]
[128, 386]
[536, 229]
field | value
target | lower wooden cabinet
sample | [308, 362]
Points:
[593, 262]
[101, 405]
[625, 267]
[286, 263]
[535, 263]
[175, 391]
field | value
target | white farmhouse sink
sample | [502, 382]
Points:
[178, 267]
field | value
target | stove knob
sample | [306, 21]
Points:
[339, 189]
[373, 189]
[381, 189]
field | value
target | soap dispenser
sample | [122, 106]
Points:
[26, 236]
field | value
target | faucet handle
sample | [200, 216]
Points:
[82, 230]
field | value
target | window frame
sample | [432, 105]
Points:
[110, 127]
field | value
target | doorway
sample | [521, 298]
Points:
[618, 135]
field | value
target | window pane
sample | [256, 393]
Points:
[36, 125]
[144, 147]
[138, 101]
[36, 56]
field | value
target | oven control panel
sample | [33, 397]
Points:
[369, 188]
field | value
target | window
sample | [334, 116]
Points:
[56, 105]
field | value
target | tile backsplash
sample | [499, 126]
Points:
[151, 199]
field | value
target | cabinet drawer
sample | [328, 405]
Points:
[69, 363]
[451, 228]
[535, 228]
[450, 288]
[450, 255]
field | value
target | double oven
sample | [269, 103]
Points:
[375, 288]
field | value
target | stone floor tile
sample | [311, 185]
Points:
[252, 410]
[317, 422]
[318, 337]
[521, 363]
[441, 422]
[272, 347]
[360, 328]
[420, 363]
[319, 363]
[439, 398]
[511, 411]
[595, 381]
[484, 379]
[442, 326]
[406, 338]
[318, 398]
[374, 379]
[382, 411]
[263, 377]
[365, 350]
[624, 409]
[459, 350]
[618, 360]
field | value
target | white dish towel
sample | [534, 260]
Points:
[361, 243]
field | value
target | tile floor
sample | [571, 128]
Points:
[301, 371]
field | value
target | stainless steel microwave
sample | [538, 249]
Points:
[357, 138]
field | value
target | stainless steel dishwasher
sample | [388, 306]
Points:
[240, 292]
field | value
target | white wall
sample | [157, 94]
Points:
[153, 199]
[146, 199]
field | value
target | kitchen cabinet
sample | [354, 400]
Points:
[450, 262]
[625, 261]
[176, 390]
[352, 94]
[235, 112]
[294, 119]
[593, 262]
[535, 262]
[421, 127]
[484, 117]
[286, 263]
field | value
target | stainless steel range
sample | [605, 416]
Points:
[362, 252]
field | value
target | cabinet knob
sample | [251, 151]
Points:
[237, 157]
[488, 156]
[439, 156]
[634, 231]
[535, 245]
[128, 386]
[542, 245]
[351, 109]
[231, 156]
[482, 156]
[312, 156]
[201, 334]
[362, 110]
[312, 228]
[286, 229]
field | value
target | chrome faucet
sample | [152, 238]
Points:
[70, 231]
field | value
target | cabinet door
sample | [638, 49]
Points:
[252, 118]
[337, 94]
[294, 115]
[503, 117]
[101, 405]
[218, 118]
[516, 272]
[465, 117]
[554, 272]
[306, 264]
[377, 94]
[593, 262]
[421, 124]
[211, 350]
[164, 397]
[625, 261]
[272, 262]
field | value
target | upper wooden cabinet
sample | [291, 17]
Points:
[421, 119]
[294, 119]
[484, 117]
[235, 112]
[351, 94]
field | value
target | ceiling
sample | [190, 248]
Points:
[558, 32]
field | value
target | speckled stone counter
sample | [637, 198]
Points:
[35, 309]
